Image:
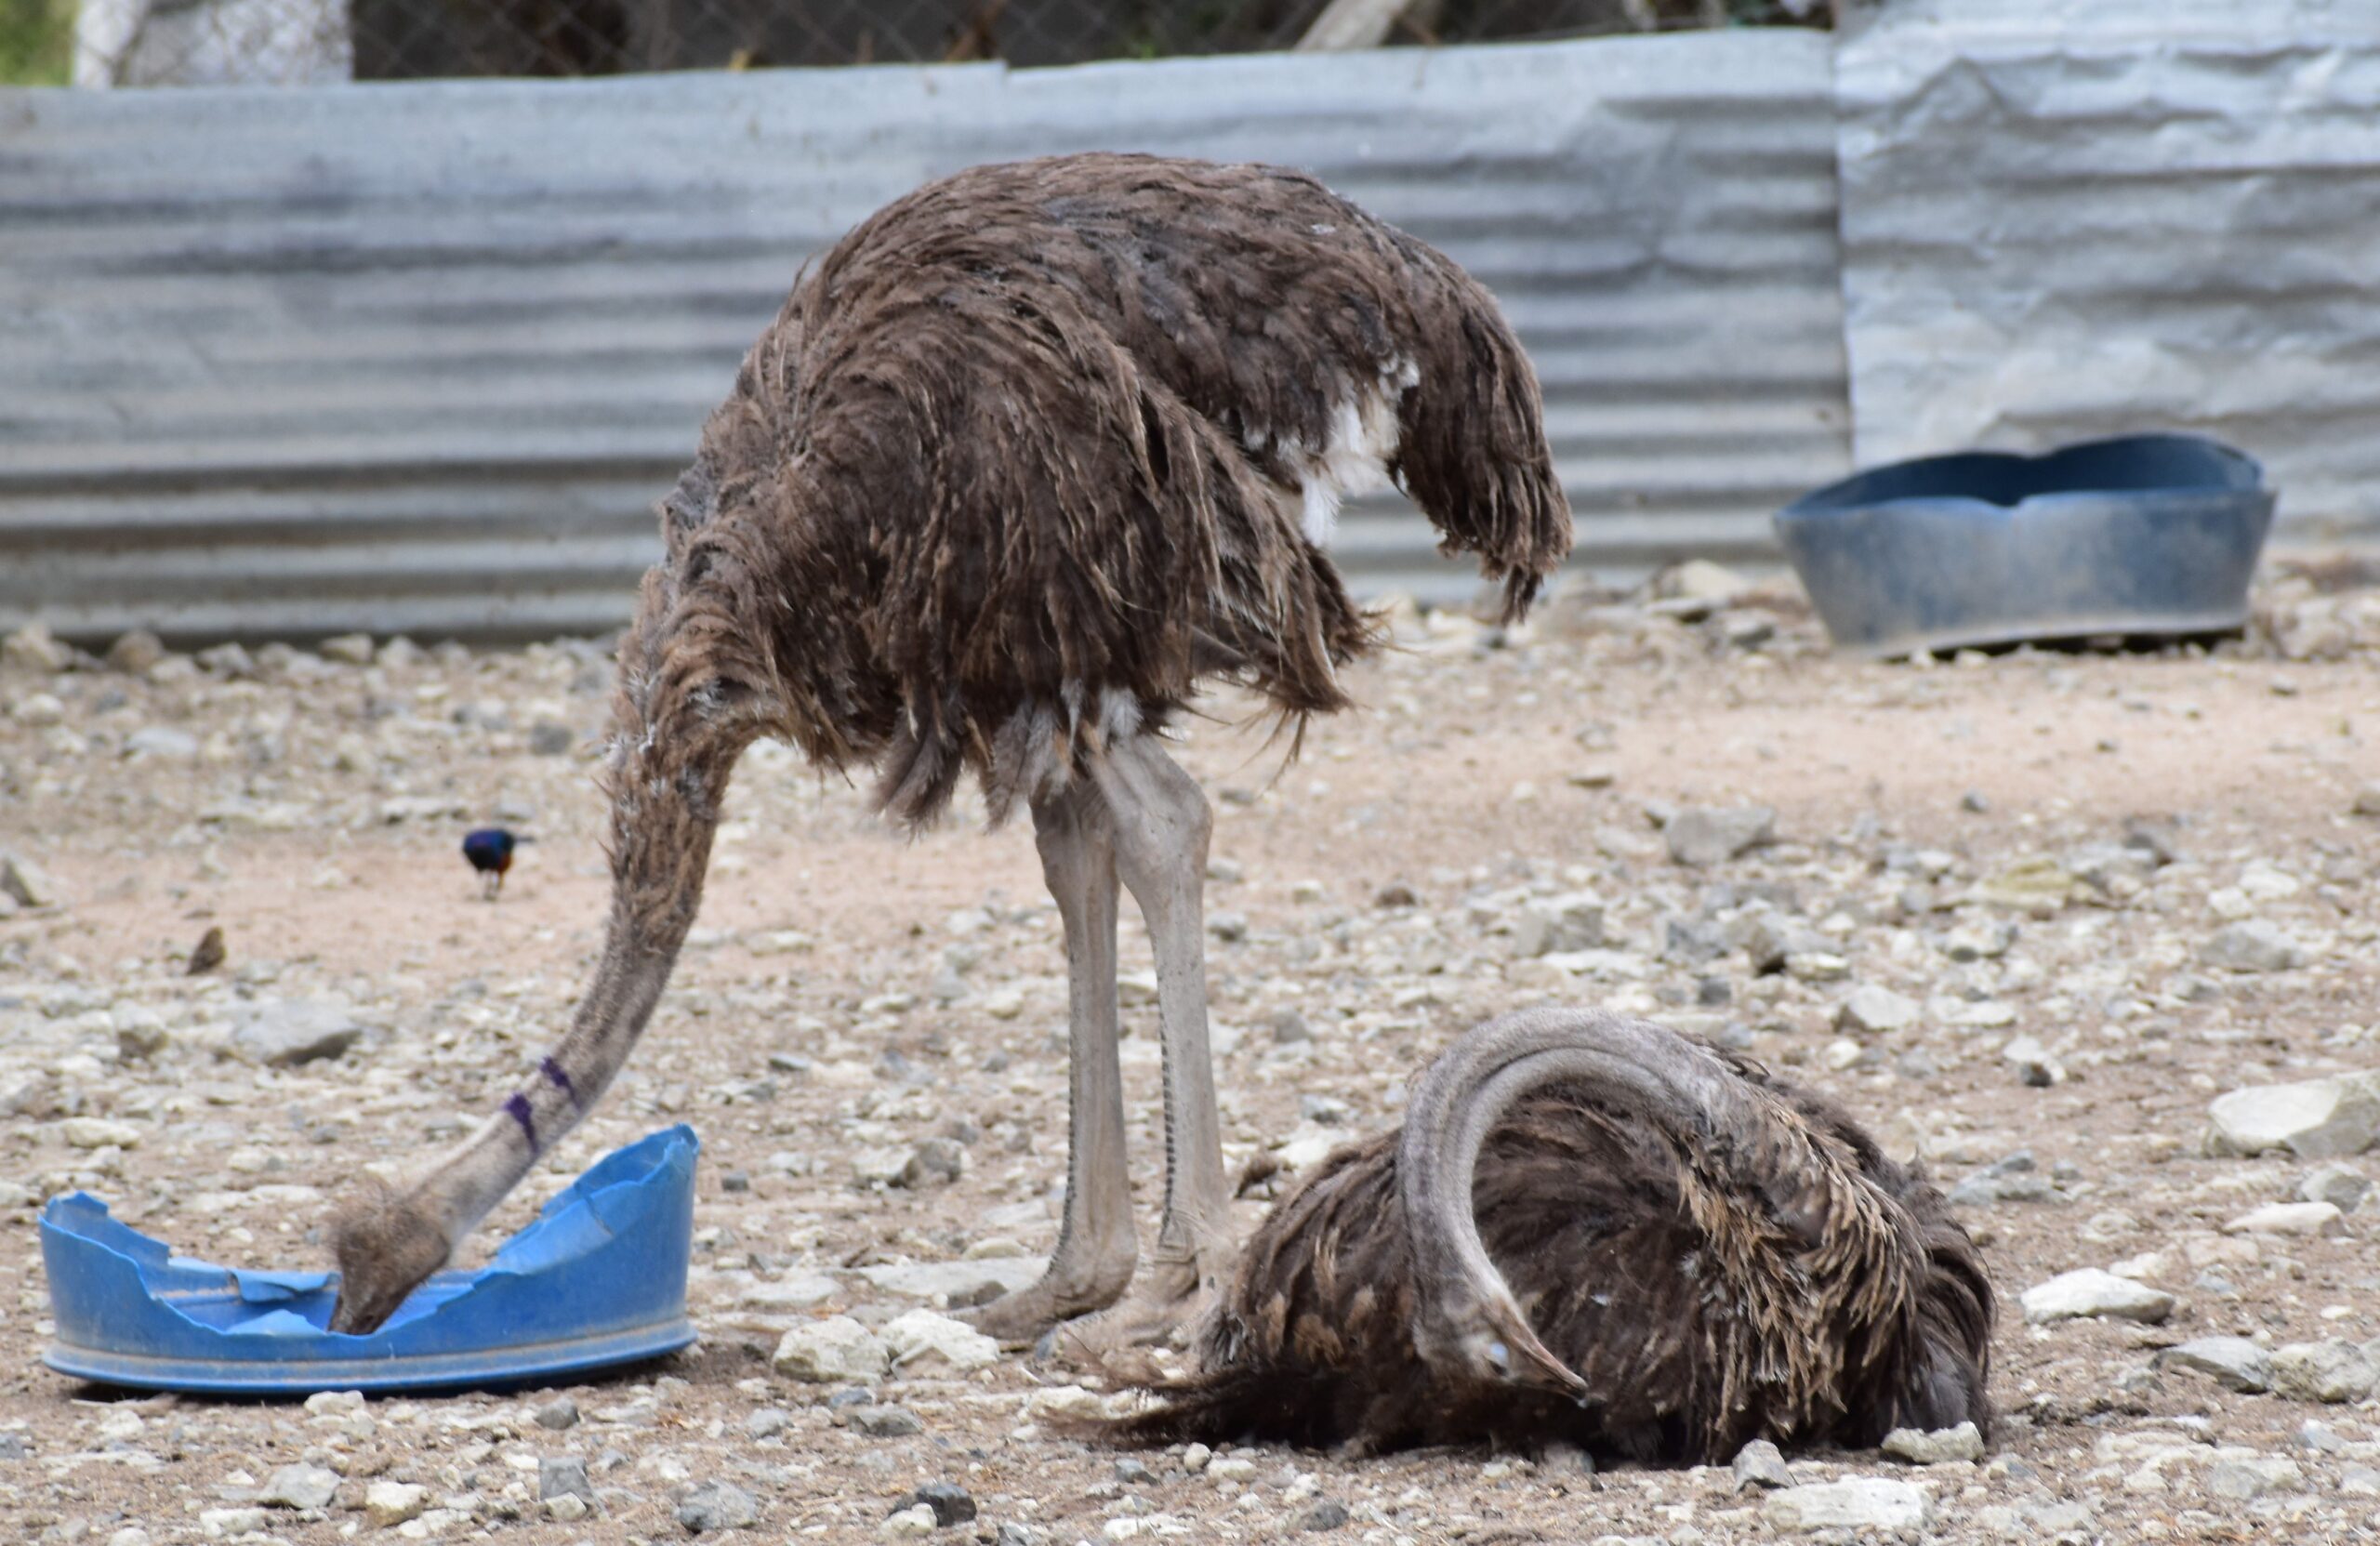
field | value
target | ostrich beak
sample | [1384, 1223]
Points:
[1520, 1358]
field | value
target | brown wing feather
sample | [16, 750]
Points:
[1031, 435]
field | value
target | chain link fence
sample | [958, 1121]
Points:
[137, 43]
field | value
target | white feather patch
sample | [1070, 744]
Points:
[1355, 460]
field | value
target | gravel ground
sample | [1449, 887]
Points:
[2028, 915]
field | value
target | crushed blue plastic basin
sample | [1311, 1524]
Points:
[2142, 535]
[599, 1277]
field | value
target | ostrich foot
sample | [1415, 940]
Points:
[1169, 1305]
[385, 1245]
[1065, 1291]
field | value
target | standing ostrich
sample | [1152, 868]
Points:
[1029, 455]
[1597, 1231]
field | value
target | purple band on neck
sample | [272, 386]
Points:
[560, 1080]
[517, 1108]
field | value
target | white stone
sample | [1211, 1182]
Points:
[2343, 1186]
[387, 1503]
[837, 1348]
[1704, 835]
[922, 1341]
[953, 1280]
[914, 1523]
[2240, 1480]
[300, 1486]
[2285, 1218]
[2316, 1119]
[2252, 946]
[1937, 1447]
[2330, 1372]
[98, 1132]
[2088, 1293]
[2235, 1363]
[1874, 1010]
[1854, 1503]
[796, 1290]
[216, 1523]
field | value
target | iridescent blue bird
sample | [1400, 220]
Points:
[490, 852]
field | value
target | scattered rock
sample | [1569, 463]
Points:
[2366, 802]
[1939, 1446]
[2251, 945]
[163, 744]
[2032, 1062]
[2330, 1372]
[2089, 1292]
[718, 1506]
[560, 1413]
[935, 1162]
[547, 738]
[2038, 885]
[1873, 1010]
[299, 1487]
[1854, 1503]
[388, 1503]
[2235, 1363]
[2316, 1119]
[98, 1132]
[38, 710]
[2343, 1186]
[283, 1033]
[1699, 836]
[767, 1422]
[1558, 926]
[954, 1282]
[348, 648]
[134, 653]
[2240, 1480]
[914, 1523]
[1760, 1463]
[221, 1524]
[833, 1350]
[951, 1503]
[564, 1476]
[26, 883]
[924, 1340]
[883, 1420]
[1327, 1514]
[2285, 1218]
[34, 649]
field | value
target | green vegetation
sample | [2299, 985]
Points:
[36, 41]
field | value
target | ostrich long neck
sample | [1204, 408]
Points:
[665, 794]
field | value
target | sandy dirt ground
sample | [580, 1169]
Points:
[2037, 856]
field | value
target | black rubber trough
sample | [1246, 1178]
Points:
[2141, 535]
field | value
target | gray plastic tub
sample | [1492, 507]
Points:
[2147, 535]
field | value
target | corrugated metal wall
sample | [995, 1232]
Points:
[2067, 218]
[419, 357]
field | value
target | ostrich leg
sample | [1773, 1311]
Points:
[1162, 822]
[1096, 1249]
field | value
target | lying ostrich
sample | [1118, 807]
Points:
[1595, 1230]
[1026, 459]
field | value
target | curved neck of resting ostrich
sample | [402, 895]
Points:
[1465, 1317]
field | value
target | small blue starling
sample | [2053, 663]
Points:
[490, 852]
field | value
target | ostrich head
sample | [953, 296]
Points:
[1466, 1323]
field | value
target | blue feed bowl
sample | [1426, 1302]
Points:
[2141, 534]
[598, 1278]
